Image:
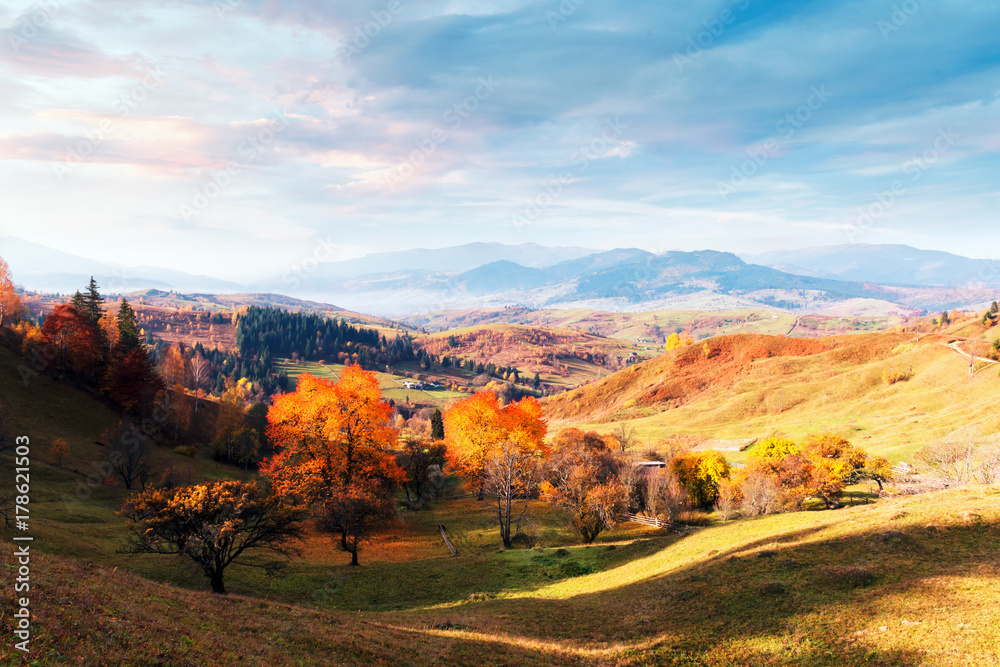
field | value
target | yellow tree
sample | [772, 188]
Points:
[673, 342]
[215, 524]
[700, 473]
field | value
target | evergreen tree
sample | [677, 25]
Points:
[78, 302]
[994, 308]
[128, 330]
[437, 425]
[93, 302]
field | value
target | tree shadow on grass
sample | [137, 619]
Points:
[786, 600]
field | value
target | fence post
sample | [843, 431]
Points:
[451, 547]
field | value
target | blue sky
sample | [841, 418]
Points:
[228, 136]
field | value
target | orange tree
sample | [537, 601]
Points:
[475, 428]
[334, 442]
[818, 468]
[582, 474]
[215, 524]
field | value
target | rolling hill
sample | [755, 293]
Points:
[901, 582]
[751, 386]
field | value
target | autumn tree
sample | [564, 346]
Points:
[215, 524]
[664, 495]
[700, 473]
[173, 366]
[422, 462]
[582, 475]
[199, 376]
[728, 500]
[334, 442]
[132, 382]
[624, 435]
[475, 426]
[58, 450]
[74, 339]
[510, 475]
[11, 306]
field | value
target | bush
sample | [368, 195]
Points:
[891, 376]
[694, 518]
[186, 450]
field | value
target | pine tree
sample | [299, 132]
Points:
[128, 330]
[437, 425]
[78, 302]
[93, 302]
[994, 308]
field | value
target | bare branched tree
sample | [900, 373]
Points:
[624, 435]
[511, 475]
[954, 457]
[665, 497]
[761, 495]
[199, 376]
[128, 453]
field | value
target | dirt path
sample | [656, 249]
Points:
[954, 345]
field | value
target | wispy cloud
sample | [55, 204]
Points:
[363, 85]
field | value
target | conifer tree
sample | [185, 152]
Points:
[128, 330]
[92, 302]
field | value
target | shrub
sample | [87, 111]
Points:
[891, 376]
[186, 450]
[693, 518]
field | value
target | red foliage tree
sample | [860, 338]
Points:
[75, 339]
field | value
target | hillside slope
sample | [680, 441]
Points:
[904, 582]
[753, 385]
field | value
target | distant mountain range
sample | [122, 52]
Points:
[888, 264]
[865, 278]
[44, 269]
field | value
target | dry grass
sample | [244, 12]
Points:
[817, 588]
[840, 390]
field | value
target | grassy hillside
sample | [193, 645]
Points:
[657, 325]
[751, 386]
[810, 588]
[560, 356]
[903, 582]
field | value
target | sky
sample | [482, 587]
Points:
[235, 137]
